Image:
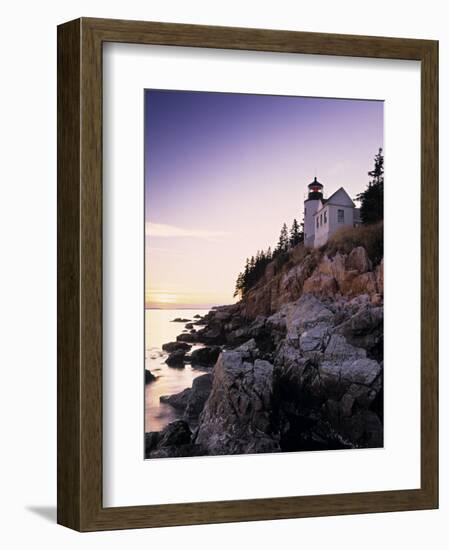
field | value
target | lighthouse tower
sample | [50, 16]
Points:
[311, 205]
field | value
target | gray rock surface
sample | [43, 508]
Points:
[197, 397]
[175, 440]
[237, 416]
[205, 357]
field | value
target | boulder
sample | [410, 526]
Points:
[175, 440]
[364, 283]
[338, 349]
[365, 329]
[334, 267]
[205, 357]
[176, 346]
[151, 441]
[187, 337]
[360, 371]
[210, 335]
[321, 285]
[358, 260]
[149, 376]
[181, 320]
[305, 313]
[177, 400]
[237, 415]
[176, 359]
[197, 397]
[248, 350]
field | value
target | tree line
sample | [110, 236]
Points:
[255, 265]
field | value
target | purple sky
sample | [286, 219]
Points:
[224, 171]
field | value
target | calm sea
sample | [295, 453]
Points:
[159, 329]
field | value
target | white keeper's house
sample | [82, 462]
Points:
[323, 217]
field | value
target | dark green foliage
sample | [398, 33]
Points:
[254, 269]
[296, 233]
[283, 241]
[372, 199]
[256, 265]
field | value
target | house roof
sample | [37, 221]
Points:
[331, 200]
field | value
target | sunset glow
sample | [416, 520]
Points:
[223, 172]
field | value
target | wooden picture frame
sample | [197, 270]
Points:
[80, 504]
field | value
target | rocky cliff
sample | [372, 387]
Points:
[300, 366]
[317, 273]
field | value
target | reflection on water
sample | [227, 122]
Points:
[159, 330]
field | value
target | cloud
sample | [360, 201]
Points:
[164, 230]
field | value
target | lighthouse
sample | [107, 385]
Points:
[311, 205]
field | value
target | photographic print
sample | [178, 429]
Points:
[263, 273]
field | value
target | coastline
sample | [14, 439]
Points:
[305, 375]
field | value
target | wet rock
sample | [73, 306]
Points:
[177, 400]
[197, 397]
[212, 335]
[151, 441]
[205, 357]
[187, 337]
[175, 440]
[191, 400]
[176, 346]
[181, 320]
[149, 376]
[176, 359]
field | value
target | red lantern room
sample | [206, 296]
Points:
[315, 190]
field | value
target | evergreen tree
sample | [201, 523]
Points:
[296, 235]
[255, 266]
[372, 199]
[239, 286]
[282, 245]
[377, 174]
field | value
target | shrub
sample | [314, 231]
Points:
[371, 237]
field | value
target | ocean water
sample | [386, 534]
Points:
[159, 329]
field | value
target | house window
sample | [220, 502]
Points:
[317, 222]
[321, 219]
[341, 216]
[325, 216]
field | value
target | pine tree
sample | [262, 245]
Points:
[255, 266]
[372, 199]
[282, 245]
[294, 233]
[239, 286]
[377, 174]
